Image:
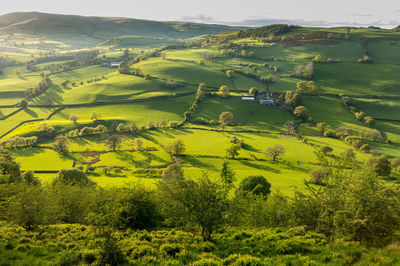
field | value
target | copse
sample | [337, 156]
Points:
[72, 176]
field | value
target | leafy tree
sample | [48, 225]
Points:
[225, 118]
[256, 185]
[290, 127]
[30, 178]
[138, 144]
[95, 116]
[61, 144]
[227, 175]
[229, 73]
[113, 142]
[173, 171]
[317, 176]
[9, 169]
[275, 152]
[325, 149]
[72, 176]
[18, 72]
[46, 130]
[201, 90]
[301, 112]
[177, 147]
[233, 151]
[74, 119]
[381, 165]
[27, 207]
[224, 91]
[253, 91]
[322, 127]
[192, 204]
[135, 208]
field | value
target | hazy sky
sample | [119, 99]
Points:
[246, 12]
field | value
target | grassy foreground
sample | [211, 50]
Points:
[79, 245]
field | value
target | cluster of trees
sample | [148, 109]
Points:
[87, 131]
[307, 87]
[18, 142]
[42, 85]
[307, 71]
[352, 204]
[275, 29]
[322, 59]
[290, 98]
[359, 115]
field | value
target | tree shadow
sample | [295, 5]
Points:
[260, 167]
[198, 163]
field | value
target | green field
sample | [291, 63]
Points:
[103, 90]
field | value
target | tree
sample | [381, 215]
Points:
[113, 142]
[74, 119]
[229, 73]
[46, 129]
[233, 151]
[177, 147]
[381, 165]
[29, 178]
[224, 91]
[95, 116]
[173, 171]
[256, 185]
[274, 152]
[9, 169]
[325, 149]
[225, 118]
[26, 209]
[317, 176]
[135, 208]
[227, 176]
[61, 144]
[322, 127]
[138, 144]
[243, 53]
[290, 127]
[200, 204]
[301, 112]
[72, 176]
[18, 72]
[201, 90]
[253, 91]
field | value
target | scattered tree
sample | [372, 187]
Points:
[275, 152]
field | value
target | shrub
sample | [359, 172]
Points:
[257, 185]
[317, 176]
[68, 259]
[329, 134]
[171, 250]
[242, 260]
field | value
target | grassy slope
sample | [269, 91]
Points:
[251, 115]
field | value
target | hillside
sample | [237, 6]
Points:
[71, 28]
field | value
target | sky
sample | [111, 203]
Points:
[383, 13]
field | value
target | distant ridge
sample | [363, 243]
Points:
[62, 27]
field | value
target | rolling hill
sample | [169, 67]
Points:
[71, 28]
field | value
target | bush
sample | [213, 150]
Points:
[329, 134]
[257, 185]
[68, 259]
[317, 176]
[242, 260]
[171, 250]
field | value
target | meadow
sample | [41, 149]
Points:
[147, 102]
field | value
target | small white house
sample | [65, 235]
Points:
[115, 64]
[248, 98]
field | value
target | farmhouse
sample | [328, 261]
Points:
[112, 64]
[248, 98]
